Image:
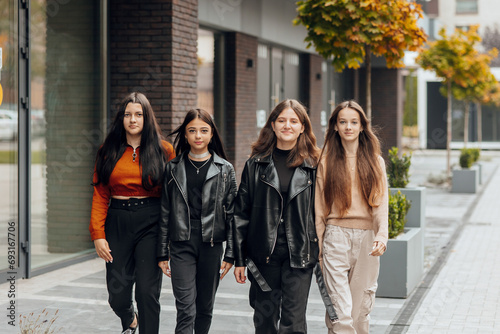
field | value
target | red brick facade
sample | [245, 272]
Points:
[153, 50]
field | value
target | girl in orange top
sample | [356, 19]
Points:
[126, 209]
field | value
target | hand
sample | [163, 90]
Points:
[225, 269]
[102, 250]
[378, 249]
[165, 268]
[239, 274]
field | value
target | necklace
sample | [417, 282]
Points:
[199, 156]
[198, 168]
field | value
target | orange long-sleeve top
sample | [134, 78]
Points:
[125, 180]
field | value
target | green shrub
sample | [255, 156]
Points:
[475, 152]
[466, 158]
[398, 169]
[398, 208]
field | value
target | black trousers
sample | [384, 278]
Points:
[195, 278]
[131, 232]
[282, 310]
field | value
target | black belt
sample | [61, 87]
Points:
[133, 203]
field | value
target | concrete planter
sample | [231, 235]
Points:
[402, 265]
[479, 170]
[416, 215]
[465, 180]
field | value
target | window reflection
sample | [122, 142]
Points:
[206, 52]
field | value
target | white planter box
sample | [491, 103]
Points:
[402, 265]
[416, 215]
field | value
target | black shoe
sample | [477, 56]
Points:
[131, 330]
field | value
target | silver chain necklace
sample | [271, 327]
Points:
[198, 168]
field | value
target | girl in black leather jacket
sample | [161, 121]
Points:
[275, 234]
[196, 218]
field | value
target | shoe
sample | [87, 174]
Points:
[131, 330]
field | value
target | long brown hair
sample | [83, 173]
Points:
[337, 187]
[305, 149]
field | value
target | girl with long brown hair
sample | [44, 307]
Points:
[351, 216]
[274, 220]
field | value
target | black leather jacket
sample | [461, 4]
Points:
[259, 210]
[219, 191]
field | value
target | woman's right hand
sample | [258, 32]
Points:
[239, 274]
[102, 250]
[165, 268]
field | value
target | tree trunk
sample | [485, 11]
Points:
[479, 124]
[466, 123]
[368, 82]
[448, 132]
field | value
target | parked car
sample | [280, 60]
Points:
[8, 124]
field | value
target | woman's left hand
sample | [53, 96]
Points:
[378, 248]
[225, 269]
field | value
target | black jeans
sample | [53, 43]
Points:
[195, 278]
[131, 232]
[288, 298]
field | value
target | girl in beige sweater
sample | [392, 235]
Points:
[351, 216]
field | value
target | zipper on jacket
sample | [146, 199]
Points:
[185, 200]
[279, 221]
[307, 227]
[215, 216]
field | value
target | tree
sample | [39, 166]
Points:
[479, 82]
[449, 58]
[349, 31]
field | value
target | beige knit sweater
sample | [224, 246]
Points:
[360, 215]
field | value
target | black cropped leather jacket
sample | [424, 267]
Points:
[259, 209]
[219, 191]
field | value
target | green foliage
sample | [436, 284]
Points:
[468, 156]
[410, 115]
[398, 169]
[475, 154]
[398, 208]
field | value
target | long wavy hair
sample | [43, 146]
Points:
[305, 149]
[337, 187]
[180, 142]
[152, 157]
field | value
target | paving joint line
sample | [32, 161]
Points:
[407, 312]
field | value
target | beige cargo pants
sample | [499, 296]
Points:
[350, 276]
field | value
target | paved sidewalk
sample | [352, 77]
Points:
[462, 298]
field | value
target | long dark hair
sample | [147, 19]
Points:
[305, 149]
[180, 142]
[337, 176]
[152, 157]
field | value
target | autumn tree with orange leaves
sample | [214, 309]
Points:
[455, 60]
[349, 31]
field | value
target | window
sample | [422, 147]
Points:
[466, 7]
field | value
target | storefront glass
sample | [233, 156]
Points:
[65, 126]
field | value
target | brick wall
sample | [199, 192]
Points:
[241, 97]
[387, 105]
[153, 50]
[311, 78]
